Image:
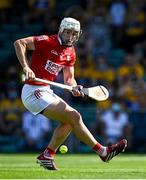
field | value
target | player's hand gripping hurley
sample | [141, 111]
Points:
[99, 93]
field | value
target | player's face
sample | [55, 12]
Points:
[69, 37]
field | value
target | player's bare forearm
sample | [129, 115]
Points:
[68, 73]
[70, 82]
[69, 79]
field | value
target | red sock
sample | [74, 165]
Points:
[49, 152]
[97, 147]
[101, 150]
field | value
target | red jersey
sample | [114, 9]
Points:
[49, 57]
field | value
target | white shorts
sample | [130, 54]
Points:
[37, 98]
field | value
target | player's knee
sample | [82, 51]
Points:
[67, 127]
[76, 117]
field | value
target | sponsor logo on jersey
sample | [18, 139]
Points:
[53, 68]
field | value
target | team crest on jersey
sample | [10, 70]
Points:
[65, 57]
[43, 37]
[68, 58]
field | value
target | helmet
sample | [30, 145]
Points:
[71, 24]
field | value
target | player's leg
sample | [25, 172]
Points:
[36, 99]
[59, 136]
[66, 114]
[59, 110]
[46, 159]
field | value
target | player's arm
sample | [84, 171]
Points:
[69, 79]
[68, 75]
[21, 47]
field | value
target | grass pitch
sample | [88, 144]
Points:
[23, 166]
